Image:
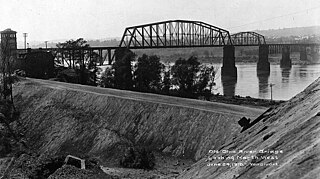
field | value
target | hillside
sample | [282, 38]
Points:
[295, 31]
[59, 119]
[284, 143]
[115, 41]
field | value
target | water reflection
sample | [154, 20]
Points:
[302, 71]
[288, 82]
[285, 74]
[263, 84]
[229, 85]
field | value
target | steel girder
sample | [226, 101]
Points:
[277, 48]
[174, 33]
[248, 38]
[65, 56]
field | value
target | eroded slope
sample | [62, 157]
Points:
[75, 119]
[292, 127]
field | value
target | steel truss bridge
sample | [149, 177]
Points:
[174, 34]
[171, 34]
[64, 56]
[247, 39]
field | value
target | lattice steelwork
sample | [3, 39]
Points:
[248, 38]
[277, 48]
[65, 57]
[177, 33]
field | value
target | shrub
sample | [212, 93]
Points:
[47, 167]
[135, 157]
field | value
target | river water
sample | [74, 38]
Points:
[287, 82]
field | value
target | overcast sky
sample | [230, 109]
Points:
[96, 19]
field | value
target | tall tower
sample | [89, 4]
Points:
[9, 42]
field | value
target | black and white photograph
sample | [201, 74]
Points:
[159, 89]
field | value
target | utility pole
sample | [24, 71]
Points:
[46, 42]
[271, 89]
[25, 40]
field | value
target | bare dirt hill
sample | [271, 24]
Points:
[284, 143]
[59, 118]
[91, 120]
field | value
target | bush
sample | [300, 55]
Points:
[48, 166]
[5, 146]
[138, 158]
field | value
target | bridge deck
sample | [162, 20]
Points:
[193, 46]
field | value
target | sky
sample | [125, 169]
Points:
[46, 20]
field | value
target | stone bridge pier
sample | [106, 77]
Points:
[303, 53]
[285, 60]
[229, 68]
[314, 54]
[263, 65]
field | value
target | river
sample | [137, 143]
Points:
[286, 82]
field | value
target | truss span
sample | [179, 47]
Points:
[248, 39]
[176, 33]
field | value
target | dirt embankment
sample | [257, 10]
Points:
[67, 118]
[284, 143]
[99, 124]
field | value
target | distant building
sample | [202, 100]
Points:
[38, 64]
[9, 43]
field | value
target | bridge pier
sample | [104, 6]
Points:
[263, 65]
[285, 61]
[229, 68]
[314, 54]
[229, 85]
[303, 53]
[109, 57]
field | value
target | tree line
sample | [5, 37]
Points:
[185, 78]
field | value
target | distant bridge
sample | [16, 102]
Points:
[247, 39]
[186, 34]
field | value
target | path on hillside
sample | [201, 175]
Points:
[223, 108]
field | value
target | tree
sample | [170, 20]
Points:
[192, 79]
[123, 78]
[107, 78]
[166, 81]
[8, 113]
[72, 52]
[7, 55]
[184, 74]
[148, 73]
[78, 57]
[206, 81]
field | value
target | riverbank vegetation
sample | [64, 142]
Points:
[183, 76]
[186, 78]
